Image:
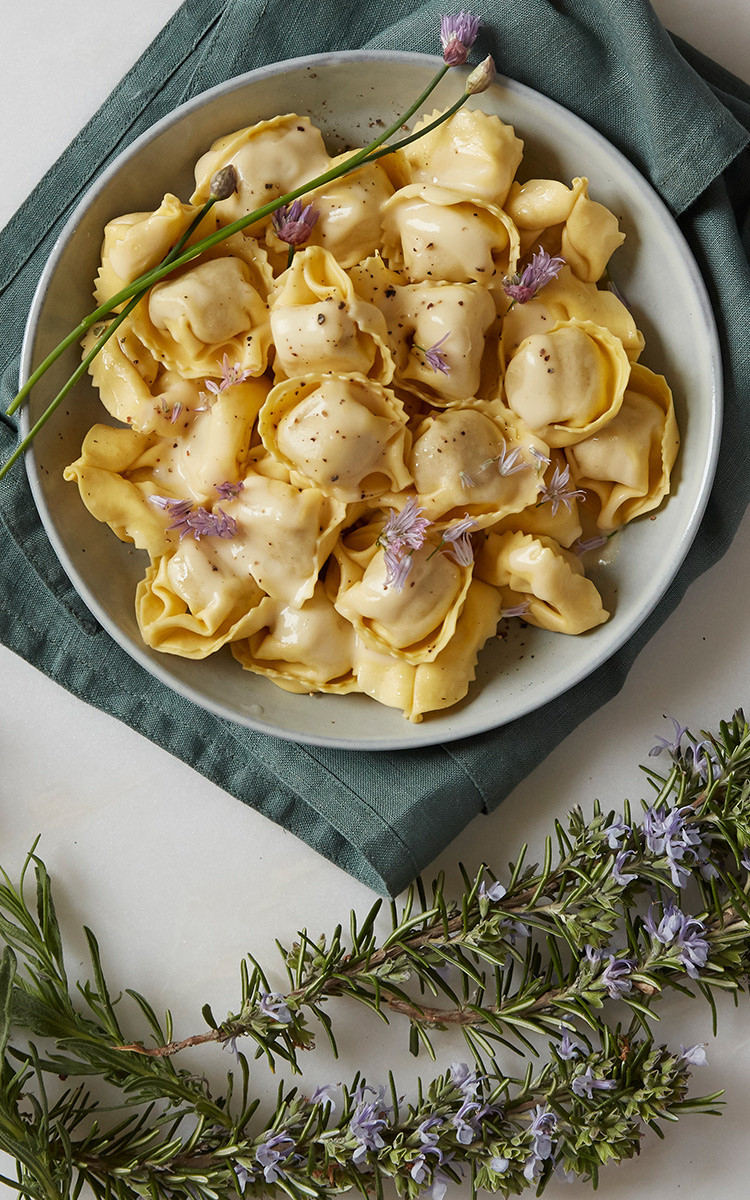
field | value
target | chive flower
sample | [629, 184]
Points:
[459, 545]
[558, 491]
[434, 357]
[198, 522]
[403, 533]
[457, 35]
[542, 268]
[293, 223]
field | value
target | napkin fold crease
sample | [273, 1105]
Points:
[680, 118]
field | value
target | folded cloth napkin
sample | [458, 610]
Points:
[680, 119]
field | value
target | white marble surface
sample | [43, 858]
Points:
[177, 878]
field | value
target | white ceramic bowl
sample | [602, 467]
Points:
[343, 94]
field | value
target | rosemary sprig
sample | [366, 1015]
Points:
[529, 970]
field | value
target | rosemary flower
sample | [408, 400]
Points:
[524, 286]
[568, 1049]
[272, 1153]
[667, 833]
[272, 1005]
[616, 977]
[457, 35]
[622, 878]
[683, 933]
[293, 223]
[695, 1056]
[587, 1083]
[368, 1120]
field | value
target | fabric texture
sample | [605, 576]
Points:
[682, 121]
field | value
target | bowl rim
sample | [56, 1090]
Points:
[678, 552]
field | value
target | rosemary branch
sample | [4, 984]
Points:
[528, 960]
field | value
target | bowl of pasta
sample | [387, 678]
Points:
[409, 472]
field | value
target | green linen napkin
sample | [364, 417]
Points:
[679, 118]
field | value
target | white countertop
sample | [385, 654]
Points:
[177, 878]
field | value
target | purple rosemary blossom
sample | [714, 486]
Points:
[272, 1005]
[667, 833]
[293, 223]
[567, 1049]
[322, 1095]
[243, 1175]
[468, 1120]
[682, 933]
[494, 892]
[231, 1045]
[421, 1169]
[622, 878]
[465, 1079]
[272, 1153]
[700, 755]
[229, 490]
[543, 1125]
[616, 831]
[616, 977]
[593, 955]
[403, 533]
[459, 543]
[558, 491]
[434, 357]
[457, 36]
[231, 375]
[586, 1084]
[695, 1056]
[367, 1121]
[542, 268]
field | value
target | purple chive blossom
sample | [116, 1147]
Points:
[567, 1049]
[457, 36]
[231, 375]
[466, 480]
[521, 609]
[622, 878]
[198, 522]
[586, 1084]
[459, 545]
[272, 1153]
[682, 933]
[507, 462]
[616, 977]
[694, 1056]
[542, 268]
[367, 1121]
[403, 533]
[272, 1005]
[667, 833]
[583, 545]
[293, 223]
[434, 357]
[542, 459]
[175, 413]
[558, 491]
[229, 490]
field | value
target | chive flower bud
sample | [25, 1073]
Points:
[224, 183]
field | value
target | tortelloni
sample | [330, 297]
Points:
[569, 382]
[350, 448]
[627, 465]
[344, 433]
